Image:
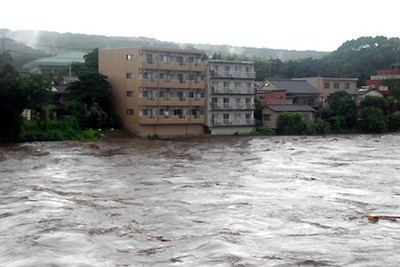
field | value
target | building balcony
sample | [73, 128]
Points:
[173, 65]
[229, 122]
[232, 91]
[233, 106]
[233, 75]
[173, 119]
[174, 83]
[172, 101]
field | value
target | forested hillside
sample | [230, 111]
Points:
[54, 42]
[359, 58]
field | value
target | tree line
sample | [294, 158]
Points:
[89, 100]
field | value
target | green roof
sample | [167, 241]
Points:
[58, 60]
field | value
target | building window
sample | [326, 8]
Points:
[129, 75]
[346, 85]
[179, 59]
[336, 85]
[226, 71]
[266, 117]
[326, 85]
[129, 57]
[129, 93]
[129, 111]
[149, 58]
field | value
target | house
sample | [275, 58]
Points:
[375, 81]
[289, 92]
[230, 97]
[157, 91]
[327, 86]
[271, 113]
[55, 64]
[366, 91]
[271, 96]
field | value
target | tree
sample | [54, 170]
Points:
[37, 88]
[12, 102]
[91, 64]
[293, 123]
[90, 95]
[343, 111]
[375, 101]
[372, 120]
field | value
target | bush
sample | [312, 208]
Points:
[262, 130]
[394, 120]
[55, 131]
[372, 120]
[322, 127]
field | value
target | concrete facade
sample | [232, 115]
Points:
[157, 92]
[230, 97]
[329, 86]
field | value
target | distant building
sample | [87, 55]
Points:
[55, 64]
[157, 92]
[375, 81]
[297, 92]
[366, 91]
[271, 113]
[230, 97]
[328, 86]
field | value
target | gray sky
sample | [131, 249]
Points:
[321, 25]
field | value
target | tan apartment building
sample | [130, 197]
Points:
[230, 97]
[329, 86]
[157, 92]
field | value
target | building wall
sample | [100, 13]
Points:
[329, 86]
[273, 97]
[157, 91]
[230, 97]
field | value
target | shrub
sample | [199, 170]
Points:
[372, 120]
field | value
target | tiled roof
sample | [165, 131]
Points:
[295, 86]
[291, 108]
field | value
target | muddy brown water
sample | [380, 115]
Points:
[213, 201]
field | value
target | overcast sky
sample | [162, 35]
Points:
[321, 25]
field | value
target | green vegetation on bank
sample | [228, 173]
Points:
[89, 101]
[56, 131]
[373, 115]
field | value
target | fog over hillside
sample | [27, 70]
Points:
[54, 42]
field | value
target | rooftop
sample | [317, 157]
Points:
[293, 86]
[291, 108]
[58, 60]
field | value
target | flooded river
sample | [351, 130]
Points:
[212, 201]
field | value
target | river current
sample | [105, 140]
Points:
[210, 201]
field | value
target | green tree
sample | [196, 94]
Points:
[294, 123]
[91, 64]
[343, 111]
[394, 120]
[12, 103]
[37, 88]
[372, 120]
[89, 96]
[375, 101]
[5, 56]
